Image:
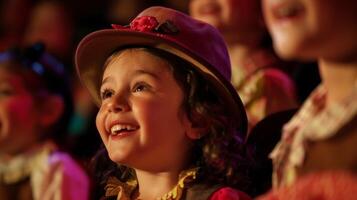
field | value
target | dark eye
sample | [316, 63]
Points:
[6, 92]
[106, 93]
[139, 87]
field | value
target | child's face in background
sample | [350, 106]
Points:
[309, 29]
[141, 121]
[50, 24]
[18, 115]
[227, 15]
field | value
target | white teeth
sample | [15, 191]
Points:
[116, 129]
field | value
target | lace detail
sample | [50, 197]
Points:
[185, 177]
[127, 190]
[123, 191]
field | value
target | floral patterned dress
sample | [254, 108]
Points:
[317, 155]
[316, 122]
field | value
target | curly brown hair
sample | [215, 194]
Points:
[219, 153]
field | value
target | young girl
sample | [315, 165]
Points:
[257, 73]
[169, 117]
[35, 106]
[318, 152]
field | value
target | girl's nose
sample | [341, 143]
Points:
[118, 103]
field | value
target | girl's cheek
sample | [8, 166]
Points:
[100, 123]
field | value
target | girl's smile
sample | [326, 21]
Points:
[119, 129]
[306, 29]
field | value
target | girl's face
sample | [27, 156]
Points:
[18, 115]
[227, 15]
[309, 29]
[140, 120]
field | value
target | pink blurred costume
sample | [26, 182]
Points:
[47, 175]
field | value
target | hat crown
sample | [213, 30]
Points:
[201, 39]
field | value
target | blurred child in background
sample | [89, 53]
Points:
[35, 108]
[317, 155]
[257, 74]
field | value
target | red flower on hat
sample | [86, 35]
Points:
[144, 23]
[149, 24]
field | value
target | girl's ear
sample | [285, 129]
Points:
[194, 131]
[51, 110]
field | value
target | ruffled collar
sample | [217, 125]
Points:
[315, 121]
[129, 189]
[21, 166]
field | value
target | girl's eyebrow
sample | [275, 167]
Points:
[107, 79]
[142, 71]
[136, 73]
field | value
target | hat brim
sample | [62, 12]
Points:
[96, 47]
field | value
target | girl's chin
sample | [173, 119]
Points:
[295, 52]
[116, 158]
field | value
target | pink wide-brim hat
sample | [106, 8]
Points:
[172, 31]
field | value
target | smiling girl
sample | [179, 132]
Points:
[169, 118]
